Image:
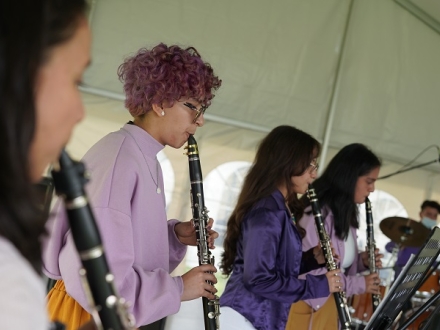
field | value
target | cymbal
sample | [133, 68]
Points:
[404, 231]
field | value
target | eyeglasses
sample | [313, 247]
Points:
[199, 112]
[314, 167]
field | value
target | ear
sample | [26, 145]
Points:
[157, 109]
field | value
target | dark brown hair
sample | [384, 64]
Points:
[28, 31]
[285, 152]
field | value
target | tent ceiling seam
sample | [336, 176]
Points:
[218, 119]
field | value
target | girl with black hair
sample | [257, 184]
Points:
[346, 182]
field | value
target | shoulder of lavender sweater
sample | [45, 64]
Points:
[109, 148]
[112, 161]
[308, 223]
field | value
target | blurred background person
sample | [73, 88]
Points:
[428, 214]
[44, 50]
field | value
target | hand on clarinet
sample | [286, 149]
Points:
[318, 254]
[378, 258]
[195, 283]
[372, 283]
[186, 233]
[334, 280]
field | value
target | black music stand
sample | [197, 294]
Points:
[406, 284]
[433, 320]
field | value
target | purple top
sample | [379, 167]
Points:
[140, 244]
[264, 281]
[353, 284]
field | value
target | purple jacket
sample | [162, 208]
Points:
[140, 244]
[264, 281]
[353, 284]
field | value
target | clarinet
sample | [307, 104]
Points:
[109, 310]
[211, 308]
[371, 248]
[341, 302]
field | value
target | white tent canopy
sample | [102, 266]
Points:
[342, 70]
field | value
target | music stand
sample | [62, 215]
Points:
[420, 311]
[406, 283]
[433, 320]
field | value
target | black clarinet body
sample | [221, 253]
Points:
[211, 308]
[109, 310]
[324, 239]
[371, 249]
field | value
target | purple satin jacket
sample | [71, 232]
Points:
[264, 281]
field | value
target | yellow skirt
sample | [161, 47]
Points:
[302, 316]
[63, 308]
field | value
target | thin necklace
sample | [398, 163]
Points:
[292, 217]
[156, 182]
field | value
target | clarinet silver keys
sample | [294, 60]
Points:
[109, 310]
[340, 299]
[211, 308]
[371, 248]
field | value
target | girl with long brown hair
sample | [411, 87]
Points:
[263, 253]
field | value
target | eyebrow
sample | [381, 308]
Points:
[190, 105]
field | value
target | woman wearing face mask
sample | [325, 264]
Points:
[348, 179]
[263, 254]
[168, 89]
[44, 49]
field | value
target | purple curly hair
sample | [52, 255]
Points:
[166, 74]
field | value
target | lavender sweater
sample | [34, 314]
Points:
[140, 244]
[353, 284]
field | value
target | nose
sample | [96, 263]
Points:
[201, 120]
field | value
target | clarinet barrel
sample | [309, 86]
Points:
[109, 310]
[340, 299]
[371, 248]
[211, 308]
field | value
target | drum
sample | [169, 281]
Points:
[361, 307]
[429, 287]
